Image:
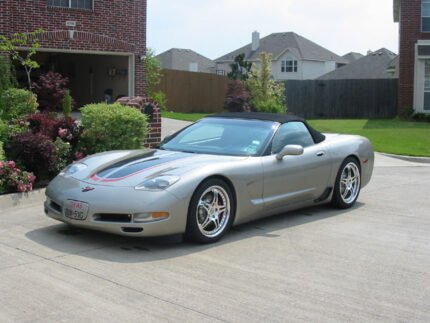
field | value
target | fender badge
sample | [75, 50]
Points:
[87, 189]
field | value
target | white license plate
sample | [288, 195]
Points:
[76, 210]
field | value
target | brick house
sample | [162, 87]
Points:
[99, 45]
[413, 17]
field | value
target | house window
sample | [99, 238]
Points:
[220, 72]
[75, 4]
[425, 15]
[427, 86]
[289, 66]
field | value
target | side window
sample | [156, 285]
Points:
[291, 133]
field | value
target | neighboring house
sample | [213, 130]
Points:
[380, 64]
[99, 45]
[351, 57]
[293, 56]
[413, 17]
[186, 60]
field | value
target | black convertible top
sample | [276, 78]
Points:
[275, 117]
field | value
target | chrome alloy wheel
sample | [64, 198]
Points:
[213, 211]
[350, 183]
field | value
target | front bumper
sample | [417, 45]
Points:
[112, 209]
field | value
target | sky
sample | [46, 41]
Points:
[214, 28]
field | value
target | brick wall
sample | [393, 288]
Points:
[409, 33]
[112, 26]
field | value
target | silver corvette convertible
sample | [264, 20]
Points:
[223, 170]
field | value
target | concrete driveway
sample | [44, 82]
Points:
[369, 263]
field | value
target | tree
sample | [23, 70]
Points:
[240, 68]
[153, 78]
[153, 72]
[12, 44]
[267, 95]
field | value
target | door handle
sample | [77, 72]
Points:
[320, 154]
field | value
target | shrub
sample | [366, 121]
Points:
[2, 156]
[7, 74]
[53, 127]
[160, 98]
[67, 104]
[12, 128]
[12, 179]
[51, 89]
[16, 103]
[64, 154]
[36, 152]
[112, 126]
[419, 117]
[237, 97]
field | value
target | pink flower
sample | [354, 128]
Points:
[11, 164]
[79, 155]
[62, 132]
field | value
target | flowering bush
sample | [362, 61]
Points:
[12, 179]
[64, 154]
[36, 152]
[53, 127]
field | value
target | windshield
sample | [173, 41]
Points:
[222, 136]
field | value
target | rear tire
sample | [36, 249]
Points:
[348, 184]
[211, 212]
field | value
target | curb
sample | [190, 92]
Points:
[423, 160]
[22, 199]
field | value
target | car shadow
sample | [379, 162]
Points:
[68, 240]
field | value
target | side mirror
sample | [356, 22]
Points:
[292, 150]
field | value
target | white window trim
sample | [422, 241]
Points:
[70, 6]
[422, 16]
[294, 65]
[419, 66]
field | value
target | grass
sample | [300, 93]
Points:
[183, 116]
[391, 136]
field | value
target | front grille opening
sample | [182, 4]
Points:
[57, 207]
[112, 217]
[132, 230]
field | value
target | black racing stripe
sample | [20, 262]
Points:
[120, 164]
[138, 166]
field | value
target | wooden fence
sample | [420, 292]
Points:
[193, 92]
[342, 98]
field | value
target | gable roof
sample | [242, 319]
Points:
[371, 66]
[278, 43]
[178, 58]
[351, 56]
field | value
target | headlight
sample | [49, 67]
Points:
[72, 169]
[158, 183]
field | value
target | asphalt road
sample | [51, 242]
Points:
[369, 263]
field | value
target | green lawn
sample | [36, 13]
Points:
[183, 116]
[391, 136]
[387, 135]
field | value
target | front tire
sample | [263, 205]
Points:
[210, 212]
[348, 184]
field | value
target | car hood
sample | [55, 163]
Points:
[132, 167]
